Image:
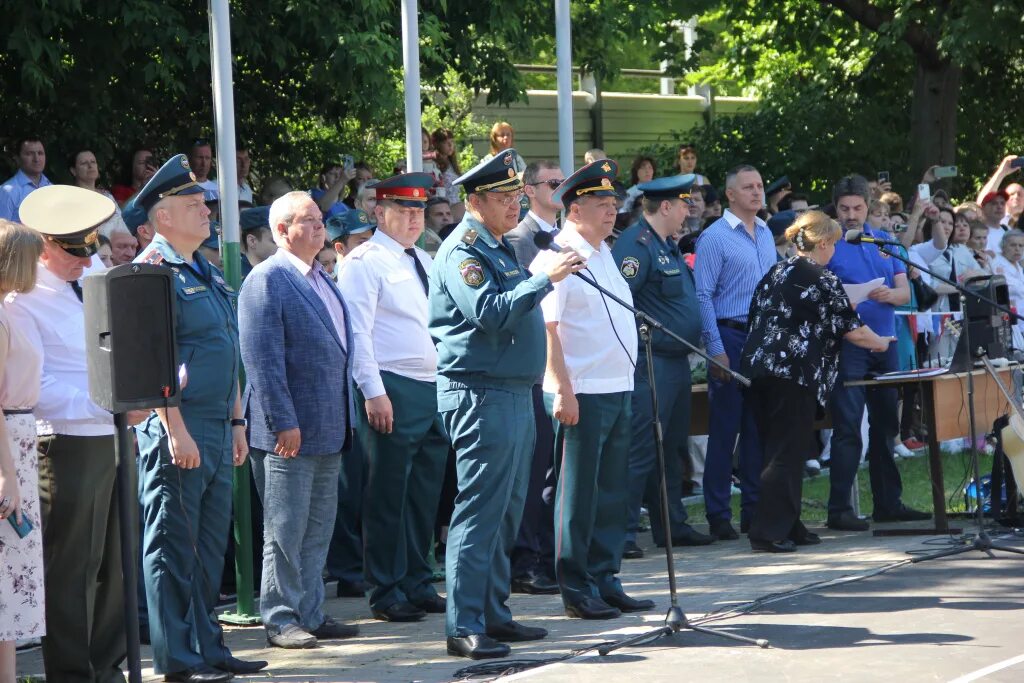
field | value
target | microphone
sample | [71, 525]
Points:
[545, 240]
[858, 237]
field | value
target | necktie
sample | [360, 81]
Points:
[76, 288]
[420, 270]
[954, 299]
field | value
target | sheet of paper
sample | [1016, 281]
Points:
[858, 293]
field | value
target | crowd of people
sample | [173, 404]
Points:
[424, 379]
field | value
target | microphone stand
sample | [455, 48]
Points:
[675, 620]
[982, 541]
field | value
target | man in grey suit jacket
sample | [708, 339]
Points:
[539, 180]
[295, 337]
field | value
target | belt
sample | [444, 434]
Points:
[733, 324]
[18, 411]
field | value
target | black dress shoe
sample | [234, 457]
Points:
[592, 608]
[632, 551]
[333, 629]
[722, 530]
[514, 632]
[477, 646]
[241, 667]
[784, 546]
[847, 521]
[200, 674]
[535, 584]
[806, 538]
[903, 514]
[400, 611]
[627, 604]
[688, 536]
[435, 604]
[352, 589]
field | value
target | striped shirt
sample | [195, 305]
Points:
[728, 266]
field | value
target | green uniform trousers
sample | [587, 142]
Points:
[591, 497]
[404, 474]
[187, 514]
[85, 638]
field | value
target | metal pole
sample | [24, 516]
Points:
[227, 182]
[563, 50]
[127, 510]
[411, 65]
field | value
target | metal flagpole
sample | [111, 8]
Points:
[563, 49]
[227, 181]
[411, 66]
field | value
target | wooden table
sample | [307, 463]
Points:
[944, 402]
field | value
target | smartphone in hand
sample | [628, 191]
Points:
[924, 192]
[883, 176]
[1017, 163]
[21, 529]
[945, 172]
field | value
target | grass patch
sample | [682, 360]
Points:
[917, 487]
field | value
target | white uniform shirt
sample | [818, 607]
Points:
[995, 240]
[588, 322]
[53, 320]
[388, 308]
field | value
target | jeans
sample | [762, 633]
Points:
[300, 502]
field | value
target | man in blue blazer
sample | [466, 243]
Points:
[296, 342]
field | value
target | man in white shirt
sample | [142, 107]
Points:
[993, 209]
[31, 164]
[85, 638]
[200, 158]
[588, 385]
[394, 366]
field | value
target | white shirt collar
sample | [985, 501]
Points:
[734, 221]
[569, 237]
[388, 242]
[544, 225]
[48, 279]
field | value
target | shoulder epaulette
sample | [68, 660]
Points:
[154, 257]
[470, 237]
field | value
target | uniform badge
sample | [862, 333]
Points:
[508, 159]
[472, 272]
[606, 168]
[501, 262]
[470, 237]
[154, 257]
[630, 267]
[663, 258]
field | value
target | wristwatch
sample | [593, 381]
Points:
[239, 422]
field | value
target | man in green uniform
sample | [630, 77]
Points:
[394, 368]
[485, 319]
[187, 452]
[588, 388]
[662, 286]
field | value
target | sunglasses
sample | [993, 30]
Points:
[553, 184]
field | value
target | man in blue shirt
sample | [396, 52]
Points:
[31, 162]
[733, 254]
[857, 264]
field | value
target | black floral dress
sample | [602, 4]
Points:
[798, 317]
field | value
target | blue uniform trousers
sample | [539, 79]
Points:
[187, 516]
[404, 475]
[847, 413]
[299, 506]
[534, 551]
[345, 554]
[672, 381]
[731, 415]
[592, 458]
[492, 431]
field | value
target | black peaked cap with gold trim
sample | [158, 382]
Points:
[174, 178]
[596, 178]
[497, 174]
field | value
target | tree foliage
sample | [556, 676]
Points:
[837, 80]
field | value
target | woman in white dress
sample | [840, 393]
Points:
[21, 558]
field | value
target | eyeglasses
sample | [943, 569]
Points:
[509, 197]
[553, 184]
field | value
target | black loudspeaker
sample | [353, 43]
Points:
[990, 329]
[129, 327]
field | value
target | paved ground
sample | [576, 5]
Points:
[932, 621]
